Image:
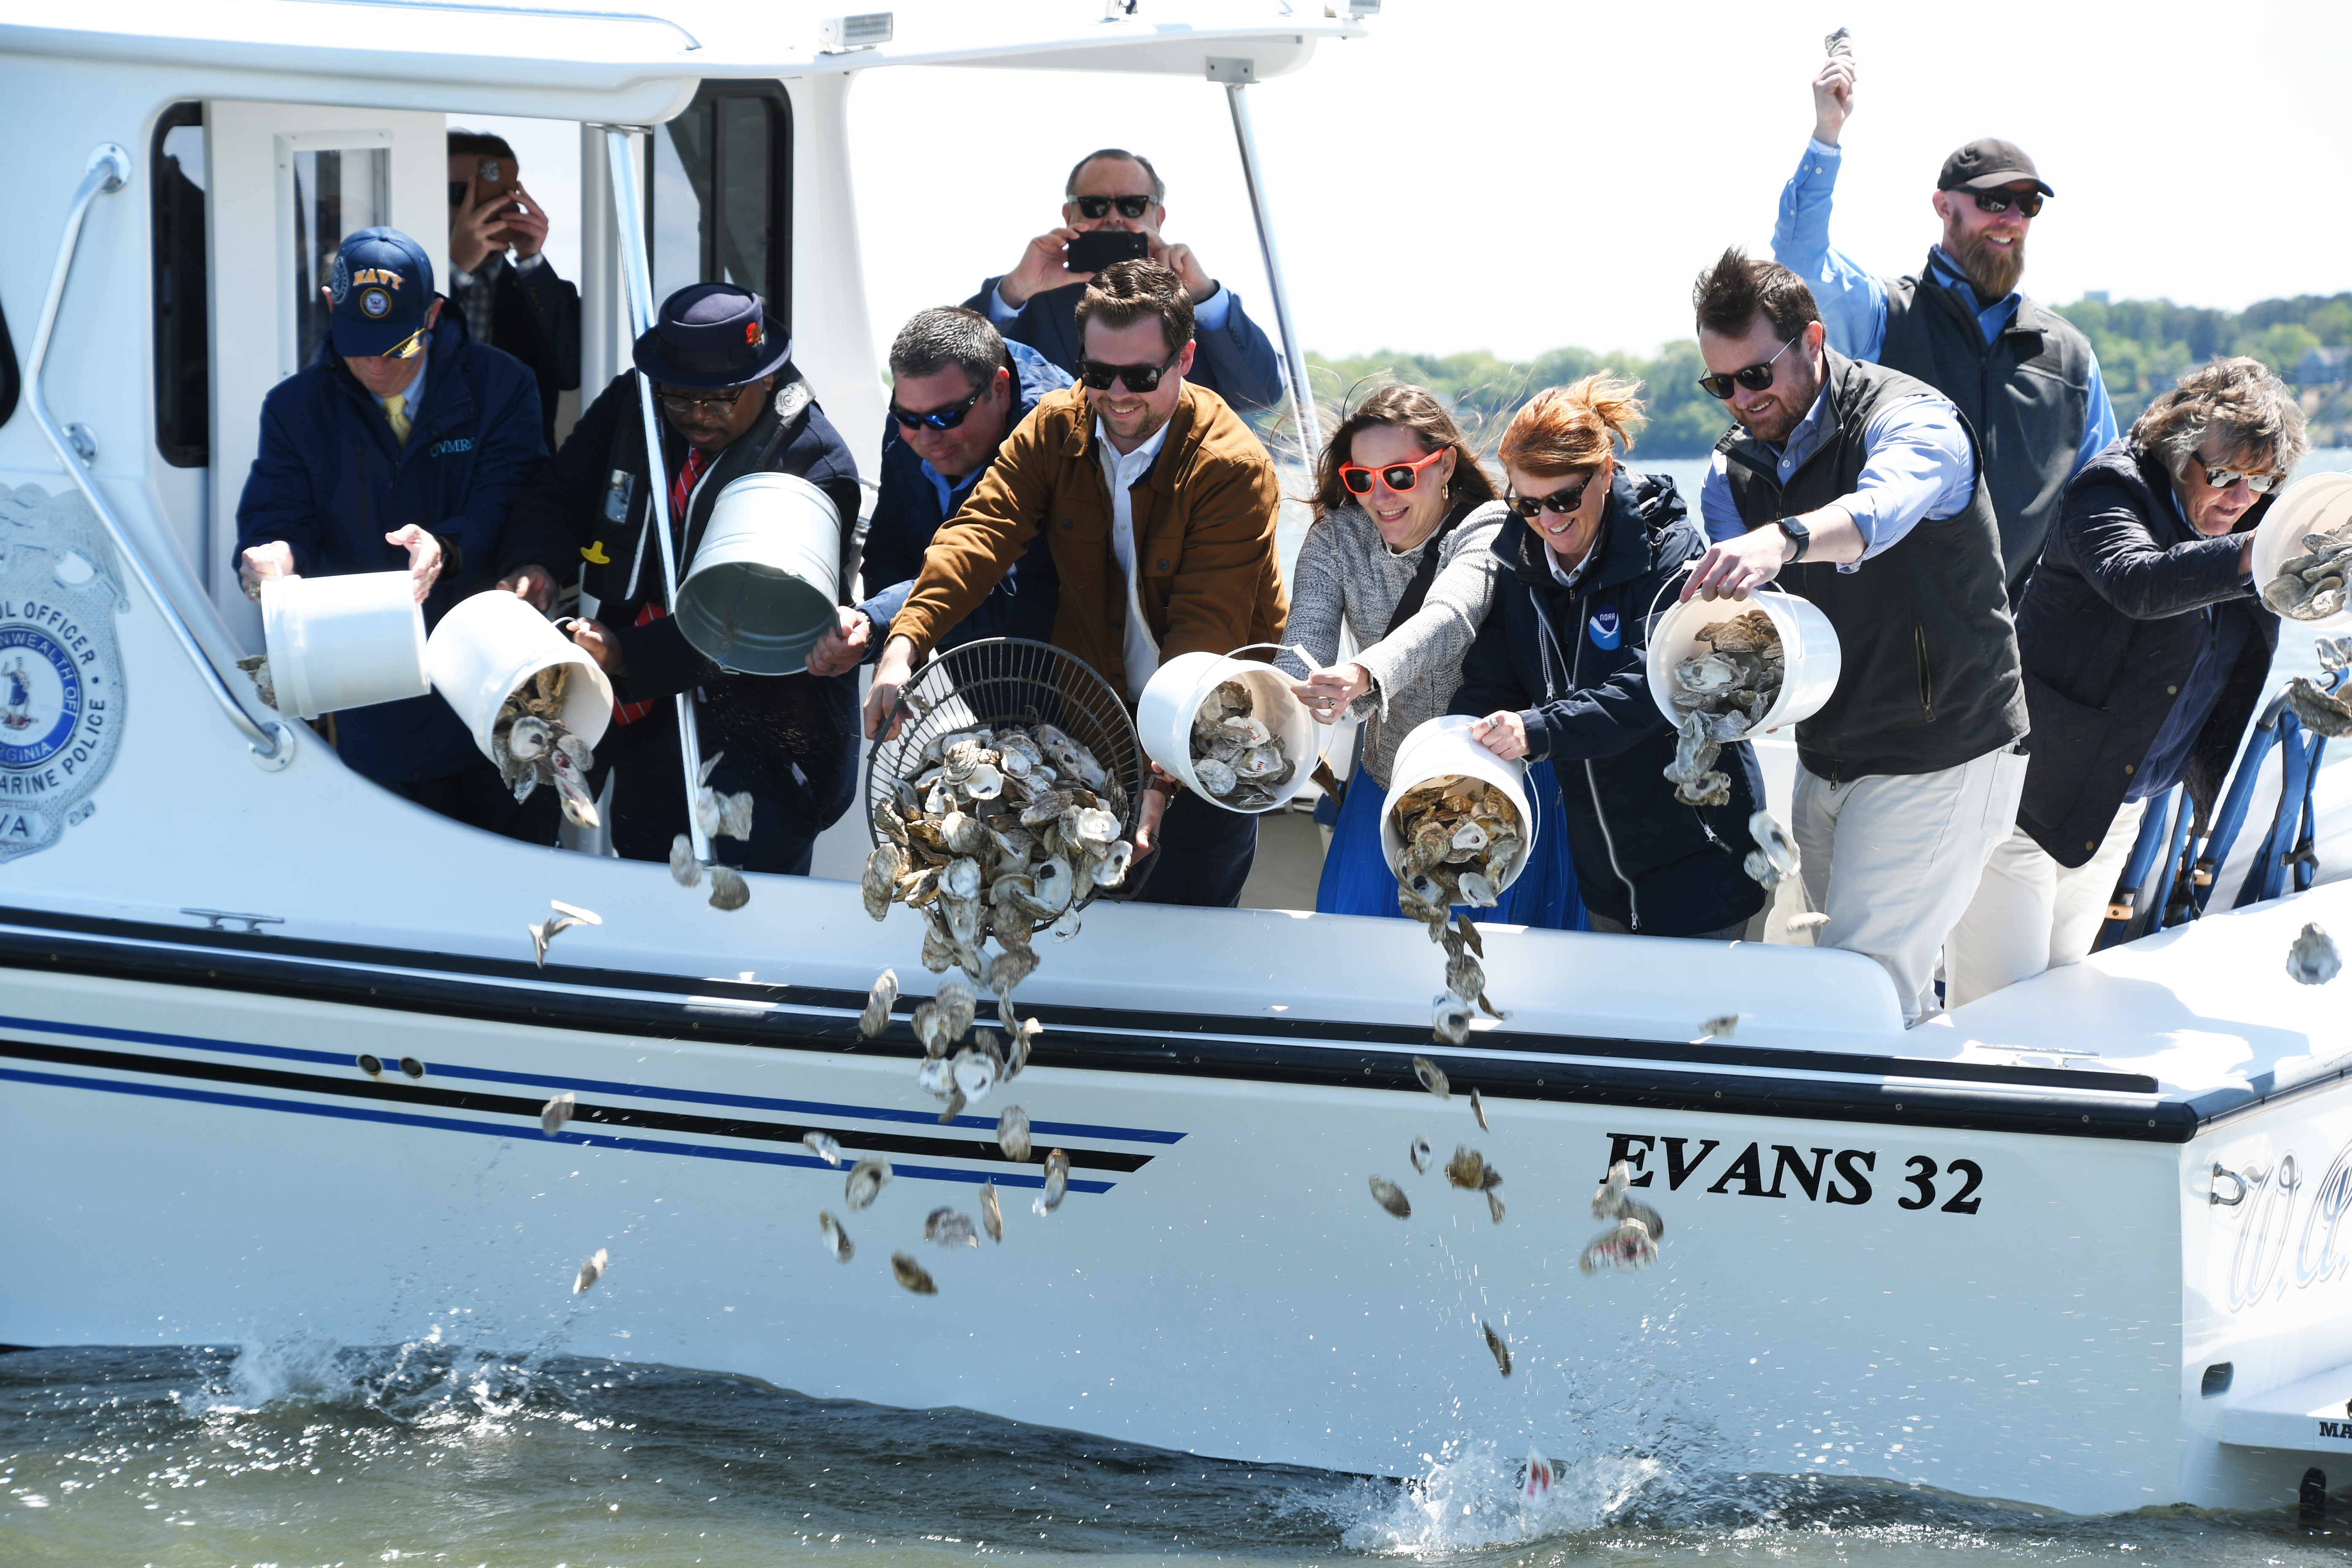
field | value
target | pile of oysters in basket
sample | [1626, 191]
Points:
[2310, 586]
[1237, 757]
[1002, 831]
[1721, 695]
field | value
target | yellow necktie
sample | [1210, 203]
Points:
[395, 408]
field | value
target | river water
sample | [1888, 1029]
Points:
[302, 1453]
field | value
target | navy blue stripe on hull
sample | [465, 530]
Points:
[491, 1129]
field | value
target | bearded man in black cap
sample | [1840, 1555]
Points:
[731, 404]
[2026, 381]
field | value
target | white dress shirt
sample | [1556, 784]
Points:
[1142, 649]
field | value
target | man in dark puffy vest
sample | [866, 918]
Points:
[1861, 489]
[2026, 380]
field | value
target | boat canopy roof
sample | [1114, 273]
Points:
[639, 62]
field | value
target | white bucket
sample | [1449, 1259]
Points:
[1442, 748]
[765, 576]
[2320, 504]
[1163, 717]
[1808, 642]
[485, 648]
[344, 642]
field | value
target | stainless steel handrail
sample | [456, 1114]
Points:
[1302, 395]
[108, 170]
[637, 276]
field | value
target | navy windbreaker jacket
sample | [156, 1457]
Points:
[330, 481]
[1571, 662]
[907, 512]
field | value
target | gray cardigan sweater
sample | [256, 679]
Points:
[1347, 571]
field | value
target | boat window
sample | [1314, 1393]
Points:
[720, 208]
[183, 372]
[337, 191]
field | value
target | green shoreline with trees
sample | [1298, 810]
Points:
[2143, 346]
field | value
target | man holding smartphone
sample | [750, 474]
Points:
[520, 306]
[1110, 195]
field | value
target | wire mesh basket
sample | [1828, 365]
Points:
[999, 683]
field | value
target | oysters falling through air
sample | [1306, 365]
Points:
[532, 746]
[1462, 839]
[1721, 695]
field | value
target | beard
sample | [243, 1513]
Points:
[1792, 399]
[1993, 272]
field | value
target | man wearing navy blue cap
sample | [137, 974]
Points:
[731, 403]
[402, 445]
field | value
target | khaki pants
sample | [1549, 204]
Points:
[2031, 913]
[1893, 859]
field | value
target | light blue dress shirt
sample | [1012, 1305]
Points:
[1853, 301]
[1916, 465]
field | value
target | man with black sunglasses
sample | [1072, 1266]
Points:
[1159, 505]
[1036, 302]
[2027, 381]
[957, 389]
[1859, 489]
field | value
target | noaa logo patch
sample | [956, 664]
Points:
[375, 304]
[1604, 628]
[61, 695]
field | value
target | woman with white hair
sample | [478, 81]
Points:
[2146, 645]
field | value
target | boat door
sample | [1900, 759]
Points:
[285, 183]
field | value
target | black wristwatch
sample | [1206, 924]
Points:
[1799, 535]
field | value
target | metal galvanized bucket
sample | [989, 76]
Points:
[488, 646]
[344, 642]
[1808, 642]
[766, 576]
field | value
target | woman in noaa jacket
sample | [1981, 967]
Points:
[1557, 673]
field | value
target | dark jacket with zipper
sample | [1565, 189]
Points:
[1572, 663]
[594, 505]
[2026, 394]
[535, 316]
[1928, 673]
[2114, 622]
[330, 481]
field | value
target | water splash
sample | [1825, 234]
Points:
[1468, 1500]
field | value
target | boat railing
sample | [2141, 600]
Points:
[109, 170]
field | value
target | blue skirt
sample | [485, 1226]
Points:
[1357, 879]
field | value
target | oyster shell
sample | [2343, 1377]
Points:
[1469, 1171]
[1625, 1247]
[977, 1070]
[879, 1003]
[1057, 1181]
[1013, 1134]
[2313, 959]
[556, 1113]
[946, 1227]
[1432, 1078]
[1390, 1197]
[824, 1146]
[836, 1240]
[1478, 1109]
[1420, 1154]
[912, 1275]
[727, 888]
[866, 1180]
[1497, 1346]
[884, 868]
[592, 1270]
[992, 1216]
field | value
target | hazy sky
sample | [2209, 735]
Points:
[1516, 176]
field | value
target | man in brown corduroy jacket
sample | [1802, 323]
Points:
[1160, 507]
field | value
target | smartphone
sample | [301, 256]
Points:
[493, 177]
[1097, 249]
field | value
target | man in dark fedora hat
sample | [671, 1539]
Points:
[731, 404]
[2026, 380]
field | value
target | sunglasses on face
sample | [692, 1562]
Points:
[1562, 501]
[1130, 207]
[718, 403]
[2221, 478]
[2027, 202]
[1137, 377]
[1397, 476]
[946, 418]
[1755, 377]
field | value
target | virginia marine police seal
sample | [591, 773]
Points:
[61, 692]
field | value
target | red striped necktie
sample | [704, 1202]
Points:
[681, 490]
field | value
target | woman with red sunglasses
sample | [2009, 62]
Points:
[1399, 552]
